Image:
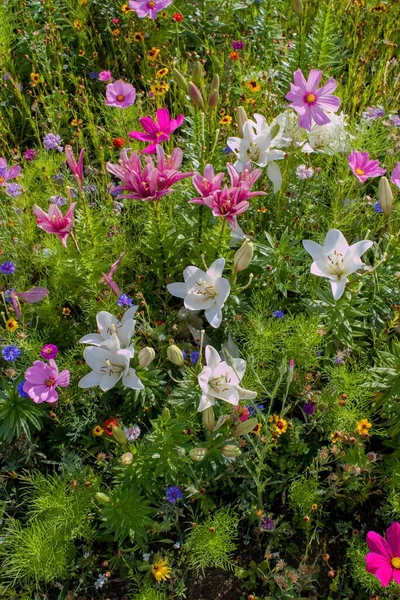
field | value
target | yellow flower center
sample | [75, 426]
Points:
[2, 179]
[50, 381]
[310, 98]
[120, 97]
[152, 4]
[395, 562]
[360, 171]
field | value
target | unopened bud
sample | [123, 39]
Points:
[197, 73]
[198, 454]
[146, 356]
[230, 451]
[165, 414]
[180, 80]
[102, 498]
[244, 427]
[385, 195]
[119, 435]
[297, 7]
[195, 95]
[242, 118]
[127, 458]
[243, 256]
[215, 83]
[213, 99]
[208, 418]
[175, 355]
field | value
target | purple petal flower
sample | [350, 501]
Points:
[363, 167]
[41, 380]
[7, 268]
[120, 94]
[49, 351]
[173, 494]
[148, 8]
[157, 131]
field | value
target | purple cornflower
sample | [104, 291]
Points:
[90, 188]
[52, 141]
[132, 433]
[339, 359]
[393, 121]
[252, 410]
[267, 524]
[14, 190]
[59, 200]
[20, 390]
[124, 301]
[237, 45]
[309, 408]
[30, 154]
[373, 113]
[378, 208]
[173, 494]
[7, 296]
[7, 268]
[194, 356]
[49, 351]
[11, 353]
[278, 314]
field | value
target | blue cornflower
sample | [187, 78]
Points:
[267, 524]
[194, 356]
[7, 268]
[309, 408]
[378, 208]
[52, 141]
[58, 177]
[90, 188]
[252, 410]
[278, 314]
[14, 190]
[124, 301]
[11, 353]
[58, 200]
[20, 390]
[94, 75]
[7, 296]
[173, 494]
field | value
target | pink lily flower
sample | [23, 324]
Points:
[151, 182]
[108, 278]
[8, 173]
[157, 131]
[55, 222]
[395, 178]
[120, 94]
[247, 177]
[206, 184]
[41, 380]
[150, 8]
[310, 102]
[229, 202]
[32, 296]
[384, 559]
[76, 167]
[363, 167]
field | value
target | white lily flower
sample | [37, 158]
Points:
[218, 379]
[206, 291]
[109, 364]
[335, 260]
[108, 325]
[330, 138]
[258, 147]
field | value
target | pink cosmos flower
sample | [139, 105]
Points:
[55, 222]
[49, 351]
[151, 182]
[41, 380]
[76, 167]
[157, 132]
[150, 8]
[363, 167]
[7, 173]
[207, 183]
[105, 76]
[120, 94]
[384, 559]
[395, 178]
[310, 102]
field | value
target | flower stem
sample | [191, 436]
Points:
[156, 209]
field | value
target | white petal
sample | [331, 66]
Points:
[92, 338]
[216, 268]
[246, 394]
[335, 240]
[205, 402]
[92, 379]
[198, 302]
[203, 379]
[214, 316]
[131, 380]
[177, 289]
[212, 357]
[109, 380]
[338, 287]
[130, 313]
[323, 269]
[190, 272]
[316, 250]
[96, 357]
[104, 322]
[226, 371]
[223, 288]
[239, 366]
[125, 333]
[351, 260]
[274, 174]
[112, 344]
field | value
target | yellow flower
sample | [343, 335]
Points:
[161, 570]
[66, 312]
[35, 78]
[153, 54]
[125, 8]
[95, 54]
[76, 122]
[138, 36]
[226, 120]
[363, 426]
[251, 101]
[83, 2]
[162, 72]
[77, 24]
[11, 324]
[280, 425]
[116, 32]
[164, 14]
[81, 52]
[222, 112]
[257, 429]
[253, 85]
[159, 88]
[97, 431]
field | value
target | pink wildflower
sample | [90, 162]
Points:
[151, 182]
[310, 102]
[120, 94]
[207, 183]
[157, 131]
[105, 76]
[7, 173]
[363, 167]
[41, 380]
[49, 351]
[384, 559]
[55, 222]
[395, 178]
[150, 8]
[76, 167]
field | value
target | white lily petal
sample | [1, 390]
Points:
[275, 175]
[92, 379]
[216, 268]
[205, 402]
[338, 288]
[96, 357]
[130, 313]
[131, 380]
[212, 357]
[92, 338]
[335, 240]
[177, 289]
[214, 316]
[109, 380]
[316, 250]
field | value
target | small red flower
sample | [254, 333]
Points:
[108, 426]
[119, 142]
[115, 21]
[178, 17]
[234, 56]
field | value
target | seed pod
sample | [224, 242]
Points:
[146, 356]
[213, 99]
[198, 454]
[243, 256]
[215, 83]
[298, 7]
[197, 73]
[241, 119]
[208, 418]
[180, 80]
[195, 95]
[385, 195]
[119, 435]
[230, 451]
[102, 498]
[244, 427]
[175, 355]
[127, 458]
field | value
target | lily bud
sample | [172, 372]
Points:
[146, 356]
[119, 435]
[208, 418]
[175, 355]
[215, 83]
[197, 73]
[195, 95]
[241, 119]
[298, 7]
[243, 256]
[180, 80]
[244, 427]
[127, 458]
[198, 454]
[230, 451]
[213, 99]
[385, 195]
[102, 498]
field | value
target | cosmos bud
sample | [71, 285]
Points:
[127, 458]
[102, 498]
[146, 356]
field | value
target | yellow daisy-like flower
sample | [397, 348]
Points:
[83, 2]
[11, 324]
[35, 78]
[363, 427]
[253, 85]
[159, 88]
[125, 8]
[262, 209]
[139, 36]
[257, 429]
[116, 32]
[66, 311]
[97, 431]
[76, 122]
[162, 72]
[164, 14]
[77, 24]
[279, 426]
[161, 570]
[153, 54]
[81, 52]
[222, 112]
[95, 54]
[226, 120]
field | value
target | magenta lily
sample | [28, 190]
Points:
[8, 173]
[395, 178]
[207, 183]
[120, 94]
[148, 8]
[384, 559]
[55, 222]
[363, 167]
[151, 182]
[157, 131]
[247, 177]
[108, 277]
[76, 167]
[228, 203]
[310, 102]
[41, 380]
